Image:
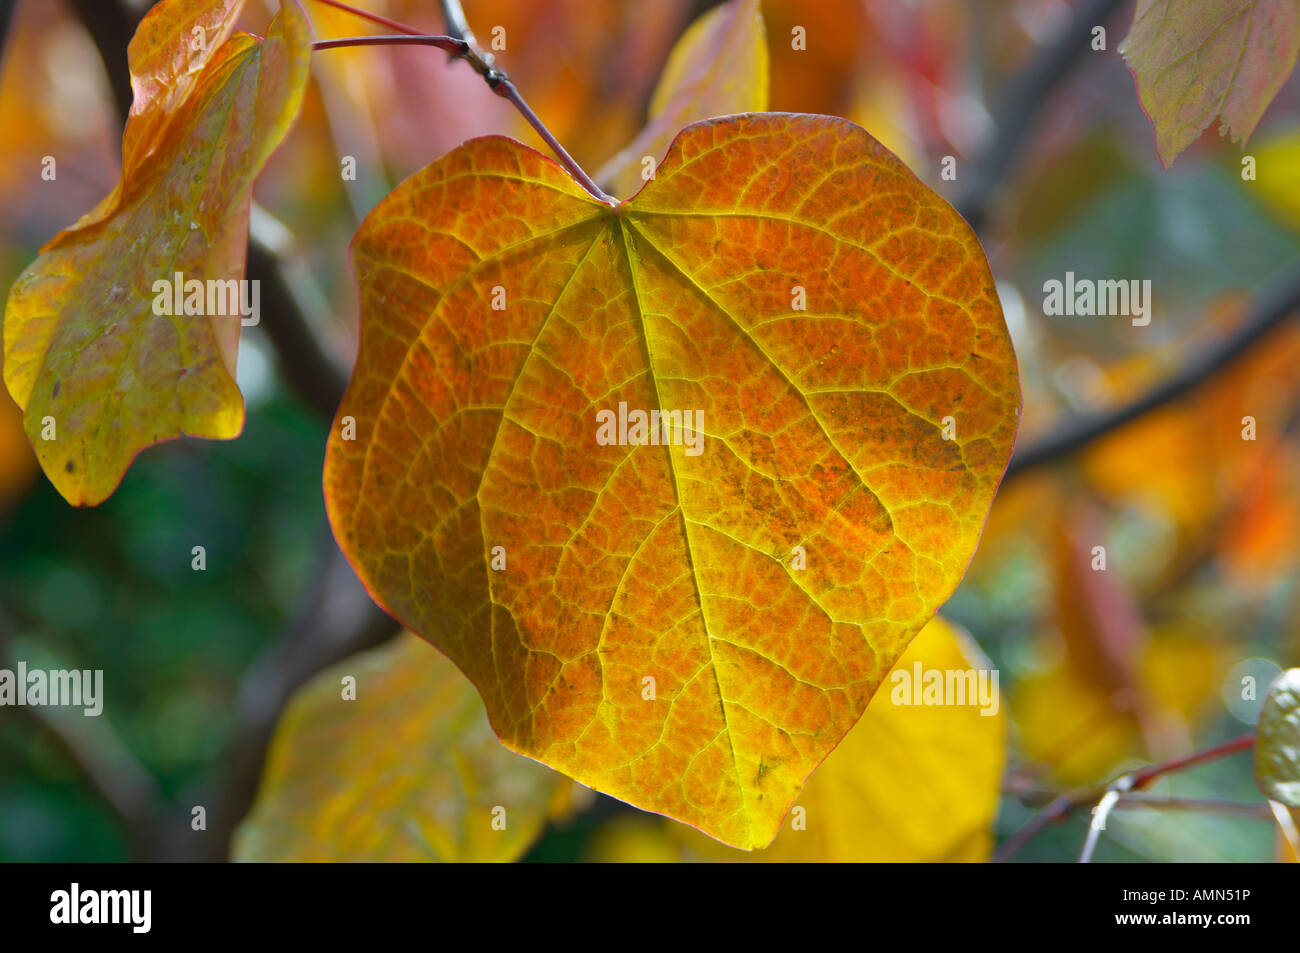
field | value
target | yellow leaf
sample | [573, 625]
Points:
[408, 770]
[95, 354]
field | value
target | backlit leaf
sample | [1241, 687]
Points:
[408, 770]
[1277, 748]
[821, 442]
[1195, 60]
[167, 55]
[86, 350]
[717, 68]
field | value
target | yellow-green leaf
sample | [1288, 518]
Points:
[718, 67]
[99, 367]
[408, 770]
[692, 624]
[1277, 744]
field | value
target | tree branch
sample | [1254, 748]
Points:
[105, 762]
[461, 45]
[1066, 804]
[1021, 103]
[335, 619]
[1271, 308]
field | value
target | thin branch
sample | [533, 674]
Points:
[460, 43]
[1022, 102]
[1066, 804]
[1098, 824]
[1030, 794]
[458, 48]
[373, 17]
[454, 16]
[500, 84]
[335, 619]
[1140, 801]
[129, 790]
[1272, 308]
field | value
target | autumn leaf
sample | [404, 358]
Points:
[406, 770]
[690, 626]
[167, 56]
[100, 369]
[718, 67]
[910, 782]
[1195, 61]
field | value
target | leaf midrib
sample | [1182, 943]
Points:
[623, 227]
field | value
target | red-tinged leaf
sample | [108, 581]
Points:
[469, 435]
[99, 368]
[1195, 60]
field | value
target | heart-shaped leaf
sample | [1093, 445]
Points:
[97, 353]
[689, 624]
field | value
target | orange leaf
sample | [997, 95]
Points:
[167, 56]
[821, 444]
[99, 367]
[1194, 61]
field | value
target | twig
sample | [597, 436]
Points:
[1031, 794]
[461, 45]
[335, 619]
[1139, 800]
[1065, 805]
[128, 789]
[1272, 307]
[1021, 103]
[449, 45]
[372, 17]
[454, 16]
[1098, 823]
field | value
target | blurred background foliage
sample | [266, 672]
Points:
[1100, 671]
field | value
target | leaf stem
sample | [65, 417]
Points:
[461, 45]
[449, 44]
[372, 17]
